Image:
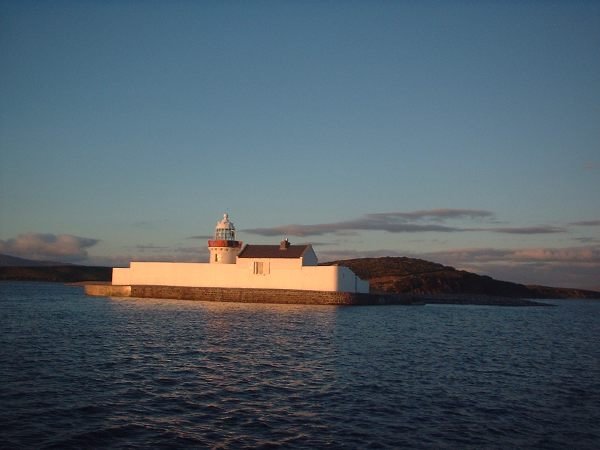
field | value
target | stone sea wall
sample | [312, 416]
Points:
[107, 290]
[282, 296]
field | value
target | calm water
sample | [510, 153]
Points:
[82, 372]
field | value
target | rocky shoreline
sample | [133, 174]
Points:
[283, 296]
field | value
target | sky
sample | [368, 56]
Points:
[461, 132]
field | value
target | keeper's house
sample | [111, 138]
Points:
[283, 266]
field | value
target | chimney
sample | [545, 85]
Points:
[284, 245]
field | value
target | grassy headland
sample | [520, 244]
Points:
[401, 275]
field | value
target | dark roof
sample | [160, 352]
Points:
[272, 251]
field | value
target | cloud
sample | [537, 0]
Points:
[526, 255]
[436, 214]
[546, 274]
[587, 240]
[403, 222]
[46, 246]
[586, 223]
[571, 255]
[321, 229]
[542, 229]
[392, 222]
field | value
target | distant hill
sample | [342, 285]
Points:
[401, 275]
[20, 269]
[13, 261]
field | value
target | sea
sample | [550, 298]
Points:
[80, 372]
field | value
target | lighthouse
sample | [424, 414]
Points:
[224, 248]
[241, 274]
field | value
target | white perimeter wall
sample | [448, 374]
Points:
[280, 274]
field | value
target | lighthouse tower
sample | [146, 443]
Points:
[224, 248]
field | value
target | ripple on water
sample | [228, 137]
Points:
[84, 372]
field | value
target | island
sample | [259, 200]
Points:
[288, 273]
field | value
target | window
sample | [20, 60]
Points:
[259, 267]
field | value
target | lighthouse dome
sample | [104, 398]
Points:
[225, 230]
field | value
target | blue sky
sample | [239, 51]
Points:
[466, 133]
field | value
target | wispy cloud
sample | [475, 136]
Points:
[542, 229]
[201, 237]
[509, 256]
[435, 214]
[587, 240]
[586, 223]
[47, 246]
[434, 220]
[392, 222]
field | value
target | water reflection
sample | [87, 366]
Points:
[258, 369]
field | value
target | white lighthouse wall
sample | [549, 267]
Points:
[223, 255]
[277, 274]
